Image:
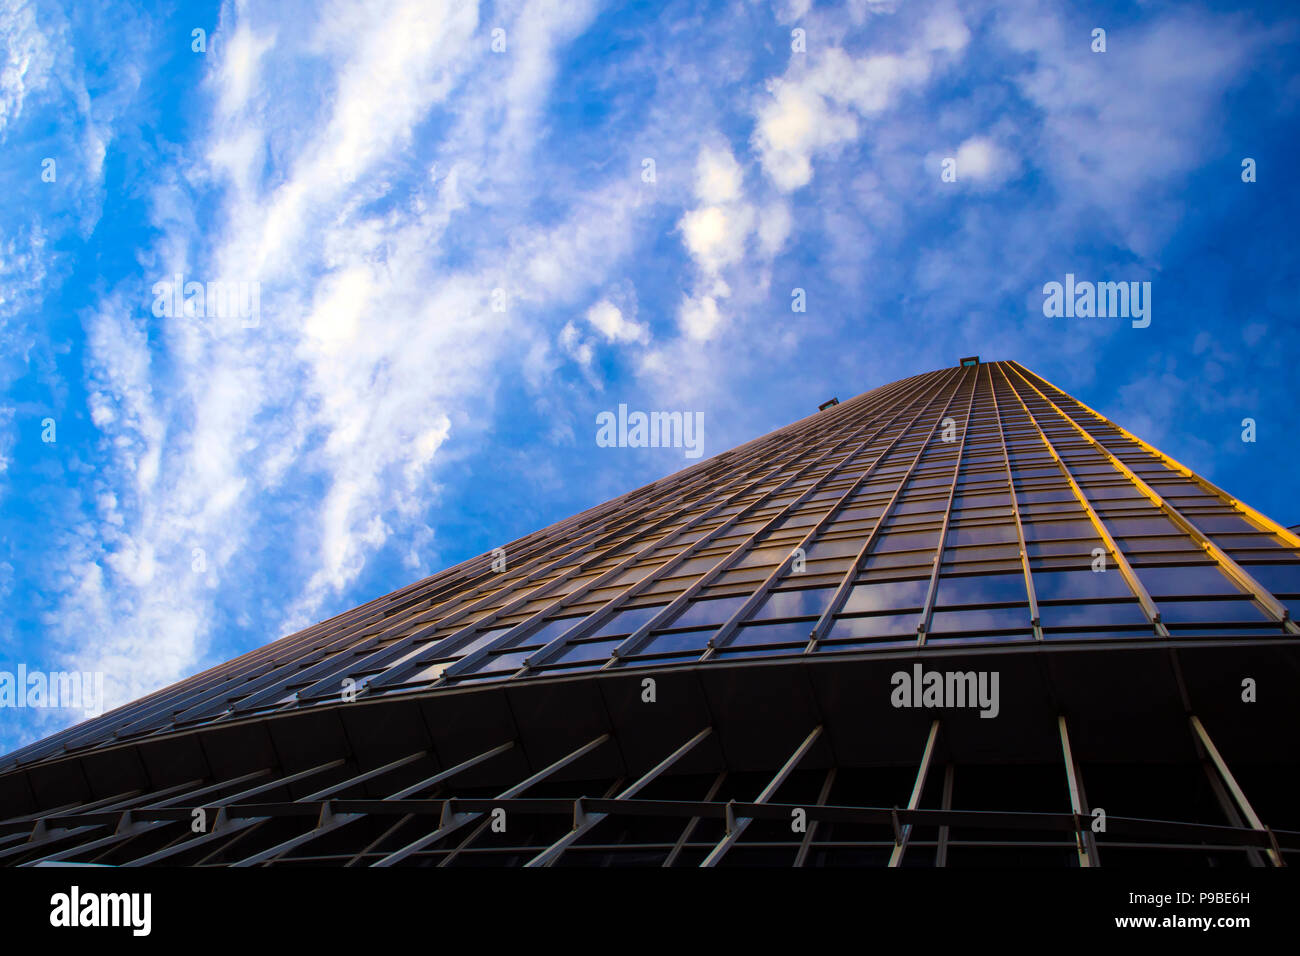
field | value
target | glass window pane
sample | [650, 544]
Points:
[880, 625]
[1078, 585]
[787, 633]
[709, 611]
[681, 641]
[1189, 580]
[961, 533]
[625, 622]
[1278, 578]
[594, 650]
[980, 619]
[1193, 612]
[806, 603]
[886, 596]
[980, 589]
[1093, 615]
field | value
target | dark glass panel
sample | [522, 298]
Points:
[886, 596]
[980, 589]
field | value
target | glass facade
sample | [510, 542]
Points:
[976, 510]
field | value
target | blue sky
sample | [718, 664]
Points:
[460, 262]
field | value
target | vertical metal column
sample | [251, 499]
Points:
[900, 845]
[1085, 841]
[737, 826]
[1233, 787]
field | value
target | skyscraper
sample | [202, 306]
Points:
[959, 619]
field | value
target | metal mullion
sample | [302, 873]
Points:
[1226, 564]
[330, 664]
[694, 821]
[138, 712]
[453, 823]
[42, 835]
[1015, 513]
[914, 801]
[288, 667]
[223, 676]
[671, 514]
[235, 837]
[330, 821]
[1225, 800]
[347, 638]
[227, 674]
[738, 825]
[364, 851]
[126, 826]
[53, 812]
[841, 592]
[723, 635]
[1084, 841]
[363, 777]
[1135, 585]
[223, 827]
[450, 856]
[923, 627]
[1238, 795]
[806, 843]
[472, 659]
[278, 782]
[633, 641]
[941, 844]
[269, 685]
[595, 619]
[849, 410]
[1173, 464]
[588, 820]
[125, 836]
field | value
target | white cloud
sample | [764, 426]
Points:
[577, 348]
[699, 317]
[980, 161]
[715, 235]
[814, 109]
[610, 322]
[774, 227]
[25, 59]
[1118, 127]
[718, 177]
[371, 355]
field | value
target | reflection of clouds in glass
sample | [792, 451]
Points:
[683, 641]
[625, 622]
[982, 619]
[791, 632]
[961, 533]
[1121, 612]
[886, 596]
[1192, 612]
[713, 611]
[1193, 580]
[794, 603]
[1074, 585]
[885, 625]
[982, 589]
